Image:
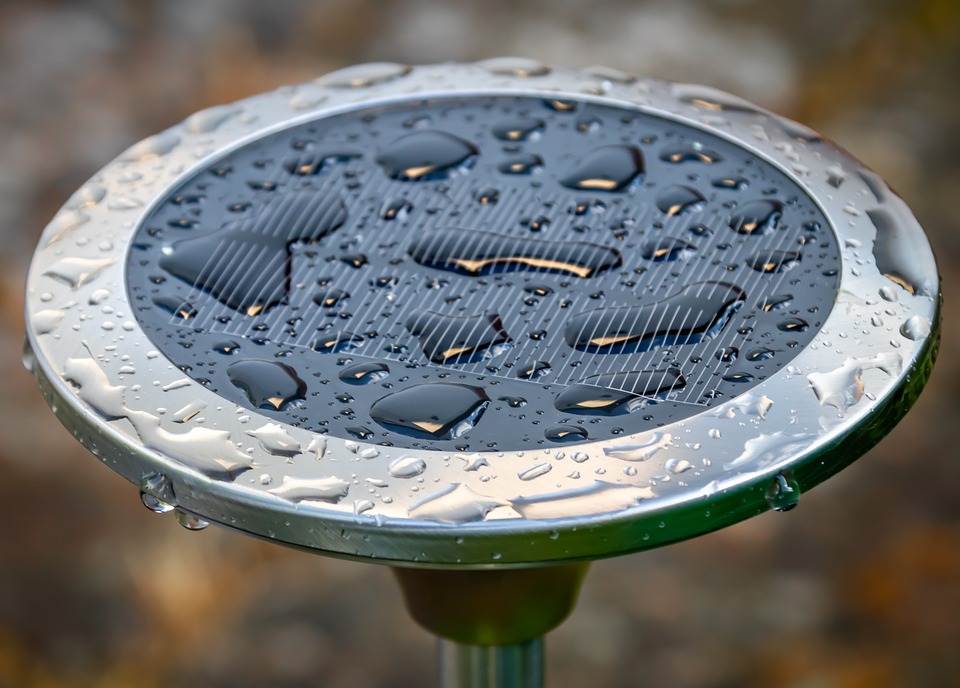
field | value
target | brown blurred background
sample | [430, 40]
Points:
[860, 586]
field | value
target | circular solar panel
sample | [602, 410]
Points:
[486, 272]
[481, 314]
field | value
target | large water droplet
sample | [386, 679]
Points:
[458, 339]
[431, 411]
[783, 493]
[608, 168]
[675, 200]
[267, 384]
[480, 253]
[756, 217]
[364, 373]
[705, 308]
[426, 155]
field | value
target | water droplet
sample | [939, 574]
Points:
[783, 493]
[521, 165]
[596, 498]
[533, 370]
[675, 200]
[772, 261]
[329, 489]
[77, 272]
[431, 411]
[407, 467]
[191, 521]
[519, 129]
[267, 384]
[668, 249]
[397, 209]
[608, 168]
[456, 503]
[565, 433]
[364, 373]
[617, 393]
[47, 320]
[639, 328]
[515, 66]
[480, 253]
[364, 75]
[260, 284]
[843, 387]
[426, 155]
[455, 339]
[535, 471]
[641, 450]
[211, 119]
[330, 298]
[756, 217]
[276, 440]
[915, 327]
[691, 153]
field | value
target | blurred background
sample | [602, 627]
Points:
[859, 586]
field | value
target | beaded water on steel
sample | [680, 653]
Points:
[483, 273]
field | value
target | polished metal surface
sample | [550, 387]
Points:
[187, 447]
[485, 666]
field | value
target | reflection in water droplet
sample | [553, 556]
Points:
[522, 164]
[77, 272]
[397, 209]
[596, 498]
[667, 249]
[459, 339]
[771, 261]
[176, 307]
[426, 156]
[776, 302]
[689, 154]
[480, 253]
[520, 129]
[535, 471]
[642, 449]
[843, 387]
[767, 449]
[756, 217]
[251, 273]
[675, 200]
[364, 75]
[639, 328]
[608, 168]
[267, 384]
[407, 467]
[276, 440]
[515, 66]
[431, 411]
[617, 393]
[455, 503]
[191, 521]
[329, 298]
[329, 489]
[792, 324]
[533, 370]
[337, 341]
[210, 119]
[565, 433]
[915, 327]
[47, 320]
[783, 493]
[364, 373]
